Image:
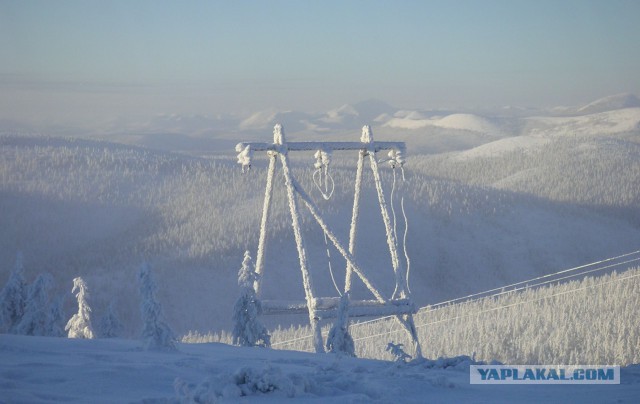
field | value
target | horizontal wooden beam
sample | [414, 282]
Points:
[310, 146]
[326, 307]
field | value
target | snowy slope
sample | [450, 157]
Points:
[539, 131]
[469, 122]
[340, 115]
[610, 103]
[98, 210]
[511, 199]
[546, 194]
[597, 124]
[45, 370]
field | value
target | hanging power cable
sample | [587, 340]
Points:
[321, 176]
[333, 279]
[324, 182]
[396, 160]
[485, 294]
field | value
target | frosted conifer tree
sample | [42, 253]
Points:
[36, 319]
[110, 324]
[56, 326]
[247, 330]
[13, 298]
[339, 341]
[79, 326]
[155, 332]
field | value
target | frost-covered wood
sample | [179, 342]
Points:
[307, 281]
[94, 208]
[339, 340]
[266, 206]
[326, 307]
[313, 146]
[294, 190]
[514, 327]
[355, 213]
[79, 326]
[336, 242]
[400, 290]
[247, 329]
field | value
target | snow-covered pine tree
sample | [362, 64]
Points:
[110, 324]
[155, 332]
[339, 341]
[36, 319]
[56, 327]
[247, 330]
[13, 298]
[79, 326]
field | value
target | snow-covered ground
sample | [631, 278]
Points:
[46, 370]
[492, 199]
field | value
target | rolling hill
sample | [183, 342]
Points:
[485, 209]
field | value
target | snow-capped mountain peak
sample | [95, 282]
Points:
[612, 102]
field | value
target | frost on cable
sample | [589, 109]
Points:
[247, 330]
[79, 326]
[321, 176]
[339, 340]
[155, 332]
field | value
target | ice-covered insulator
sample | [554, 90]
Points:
[395, 158]
[326, 157]
[318, 156]
[400, 158]
[244, 156]
[323, 159]
[392, 158]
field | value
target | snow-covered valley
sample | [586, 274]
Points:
[491, 199]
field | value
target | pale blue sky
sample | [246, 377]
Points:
[223, 56]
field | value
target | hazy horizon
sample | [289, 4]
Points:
[90, 63]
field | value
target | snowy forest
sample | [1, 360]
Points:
[107, 238]
[319, 201]
[568, 322]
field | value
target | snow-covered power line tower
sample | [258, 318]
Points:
[400, 303]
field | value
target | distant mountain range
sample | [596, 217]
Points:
[375, 113]
[425, 131]
[618, 101]
[220, 132]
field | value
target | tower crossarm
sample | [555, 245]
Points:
[312, 146]
[318, 308]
